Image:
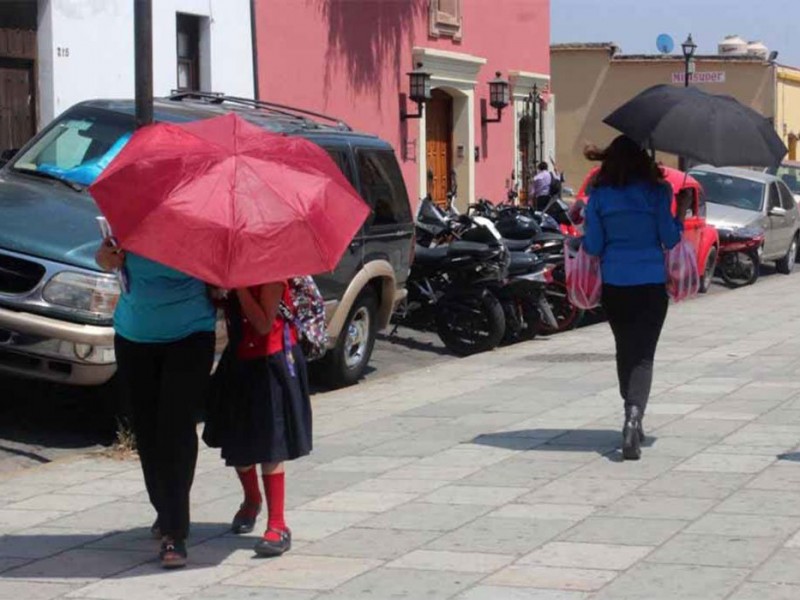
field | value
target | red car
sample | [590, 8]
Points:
[700, 234]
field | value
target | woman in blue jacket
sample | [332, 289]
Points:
[629, 224]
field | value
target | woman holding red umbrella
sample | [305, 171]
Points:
[164, 346]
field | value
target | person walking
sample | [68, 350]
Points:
[540, 185]
[263, 406]
[164, 344]
[629, 224]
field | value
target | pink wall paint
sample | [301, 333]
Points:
[349, 59]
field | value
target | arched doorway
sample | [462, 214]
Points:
[439, 145]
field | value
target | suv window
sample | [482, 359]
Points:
[383, 188]
[774, 197]
[340, 158]
[78, 147]
[787, 200]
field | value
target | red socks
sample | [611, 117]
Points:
[252, 495]
[275, 491]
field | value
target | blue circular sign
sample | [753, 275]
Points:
[665, 44]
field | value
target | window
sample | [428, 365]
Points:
[188, 29]
[787, 200]
[731, 191]
[340, 158]
[79, 146]
[774, 197]
[791, 177]
[445, 18]
[383, 188]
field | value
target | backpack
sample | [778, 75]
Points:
[308, 316]
[555, 185]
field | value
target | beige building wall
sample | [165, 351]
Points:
[591, 83]
[787, 121]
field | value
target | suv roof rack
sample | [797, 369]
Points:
[282, 109]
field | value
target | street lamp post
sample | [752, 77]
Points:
[689, 48]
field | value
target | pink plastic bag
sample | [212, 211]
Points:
[683, 277]
[584, 281]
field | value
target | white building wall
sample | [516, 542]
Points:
[86, 49]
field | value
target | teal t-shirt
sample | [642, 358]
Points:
[161, 304]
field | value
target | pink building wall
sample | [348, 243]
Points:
[349, 59]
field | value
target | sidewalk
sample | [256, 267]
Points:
[488, 478]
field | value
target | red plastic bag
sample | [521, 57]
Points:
[584, 281]
[683, 277]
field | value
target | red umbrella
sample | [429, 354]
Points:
[229, 203]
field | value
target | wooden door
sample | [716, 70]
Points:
[439, 145]
[17, 117]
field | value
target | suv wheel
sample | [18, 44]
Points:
[786, 264]
[345, 364]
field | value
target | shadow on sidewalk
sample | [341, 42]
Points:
[605, 442]
[790, 456]
[75, 555]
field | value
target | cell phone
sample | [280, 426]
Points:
[105, 231]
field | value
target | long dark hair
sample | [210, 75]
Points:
[623, 162]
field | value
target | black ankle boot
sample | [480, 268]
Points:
[632, 434]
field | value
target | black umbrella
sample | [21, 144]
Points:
[689, 122]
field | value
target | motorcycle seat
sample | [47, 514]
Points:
[430, 256]
[517, 245]
[547, 236]
[523, 263]
[461, 248]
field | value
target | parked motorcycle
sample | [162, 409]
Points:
[449, 287]
[521, 294]
[739, 260]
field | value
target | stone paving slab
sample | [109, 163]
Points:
[493, 477]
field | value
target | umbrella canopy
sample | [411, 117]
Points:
[229, 203]
[689, 122]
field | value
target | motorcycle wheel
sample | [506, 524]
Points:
[739, 269]
[471, 323]
[707, 275]
[567, 314]
[523, 323]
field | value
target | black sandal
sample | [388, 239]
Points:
[271, 548]
[245, 519]
[173, 554]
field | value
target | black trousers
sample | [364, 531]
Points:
[636, 315]
[166, 383]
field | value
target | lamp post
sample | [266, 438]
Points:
[689, 48]
[419, 87]
[499, 97]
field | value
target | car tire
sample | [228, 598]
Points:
[786, 264]
[346, 363]
[708, 273]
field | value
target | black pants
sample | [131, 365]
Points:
[542, 202]
[167, 383]
[636, 315]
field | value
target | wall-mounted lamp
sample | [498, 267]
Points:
[419, 85]
[499, 97]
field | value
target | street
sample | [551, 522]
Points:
[496, 476]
